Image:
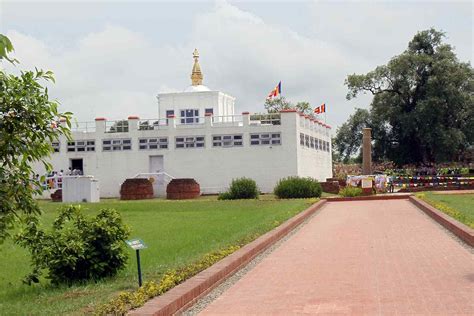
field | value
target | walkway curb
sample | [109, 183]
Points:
[462, 231]
[368, 198]
[188, 292]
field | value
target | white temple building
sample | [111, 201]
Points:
[197, 135]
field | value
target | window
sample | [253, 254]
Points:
[301, 139]
[227, 140]
[311, 141]
[116, 144]
[306, 140]
[81, 145]
[56, 146]
[153, 143]
[327, 146]
[209, 111]
[265, 139]
[189, 116]
[169, 112]
[189, 142]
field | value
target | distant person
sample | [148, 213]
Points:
[60, 179]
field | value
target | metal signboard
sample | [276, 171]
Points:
[136, 244]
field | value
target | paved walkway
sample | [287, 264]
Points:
[360, 257]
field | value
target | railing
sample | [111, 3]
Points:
[228, 120]
[265, 119]
[152, 124]
[116, 126]
[150, 174]
[84, 127]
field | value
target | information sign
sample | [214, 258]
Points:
[366, 183]
[136, 244]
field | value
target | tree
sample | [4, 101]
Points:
[277, 104]
[348, 138]
[28, 126]
[423, 105]
[6, 47]
[304, 107]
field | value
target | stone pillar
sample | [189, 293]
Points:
[133, 123]
[366, 151]
[100, 125]
[245, 118]
[208, 119]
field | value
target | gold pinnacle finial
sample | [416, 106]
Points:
[196, 75]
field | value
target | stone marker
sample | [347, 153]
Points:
[367, 151]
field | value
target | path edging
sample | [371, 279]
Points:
[368, 198]
[188, 292]
[462, 231]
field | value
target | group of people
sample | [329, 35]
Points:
[54, 179]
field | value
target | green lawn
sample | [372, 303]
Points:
[459, 206]
[176, 232]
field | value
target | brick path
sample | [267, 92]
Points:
[359, 257]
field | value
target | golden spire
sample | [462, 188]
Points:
[196, 76]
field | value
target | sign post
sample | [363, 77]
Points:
[137, 244]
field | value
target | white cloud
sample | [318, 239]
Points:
[115, 71]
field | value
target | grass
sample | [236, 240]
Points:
[458, 206]
[176, 233]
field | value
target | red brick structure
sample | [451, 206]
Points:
[57, 196]
[342, 182]
[180, 189]
[330, 187]
[136, 189]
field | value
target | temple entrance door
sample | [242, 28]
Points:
[156, 165]
[77, 164]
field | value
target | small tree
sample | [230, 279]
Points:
[77, 247]
[277, 104]
[29, 123]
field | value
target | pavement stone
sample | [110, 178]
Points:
[359, 257]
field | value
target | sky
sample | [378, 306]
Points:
[112, 58]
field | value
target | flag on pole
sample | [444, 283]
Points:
[320, 109]
[275, 92]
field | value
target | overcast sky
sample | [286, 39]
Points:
[111, 58]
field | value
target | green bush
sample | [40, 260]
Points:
[77, 247]
[350, 191]
[242, 188]
[296, 187]
[225, 196]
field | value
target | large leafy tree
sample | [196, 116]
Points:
[423, 105]
[29, 123]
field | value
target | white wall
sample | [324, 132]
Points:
[212, 167]
[311, 162]
[223, 104]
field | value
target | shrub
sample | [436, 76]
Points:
[350, 191]
[296, 187]
[242, 188]
[225, 196]
[77, 247]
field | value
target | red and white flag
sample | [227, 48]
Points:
[320, 109]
